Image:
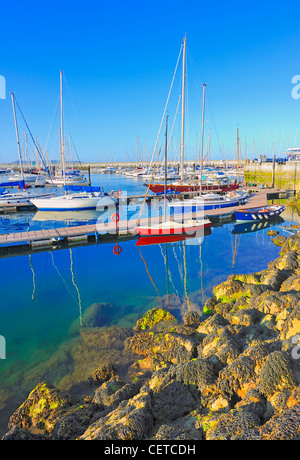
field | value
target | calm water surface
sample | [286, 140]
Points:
[44, 296]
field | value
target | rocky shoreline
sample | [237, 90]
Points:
[233, 374]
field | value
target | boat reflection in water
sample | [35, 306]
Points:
[250, 227]
[158, 239]
[68, 217]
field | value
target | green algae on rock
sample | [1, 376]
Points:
[152, 318]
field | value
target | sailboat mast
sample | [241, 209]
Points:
[62, 146]
[183, 109]
[166, 166]
[17, 135]
[238, 157]
[202, 135]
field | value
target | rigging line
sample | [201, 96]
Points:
[76, 287]
[209, 107]
[80, 126]
[33, 140]
[150, 277]
[74, 147]
[167, 270]
[163, 117]
[176, 113]
[139, 218]
[55, 112]
[54, 146]
[197, 79]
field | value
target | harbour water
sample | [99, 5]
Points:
[45, 296]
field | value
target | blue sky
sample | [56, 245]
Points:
[118, 60]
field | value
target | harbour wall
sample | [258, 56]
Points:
[132, 164]
[282, 176]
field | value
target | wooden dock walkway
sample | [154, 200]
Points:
[83, 233]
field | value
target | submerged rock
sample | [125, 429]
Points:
[152, 318]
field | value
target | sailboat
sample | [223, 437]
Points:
[23, 195]
[168, 226]
[183, 185]
[209, 201]
[86, 198]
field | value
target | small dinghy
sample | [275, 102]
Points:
[256, 214]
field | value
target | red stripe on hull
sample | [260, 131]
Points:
[159, 188]
[170, 231]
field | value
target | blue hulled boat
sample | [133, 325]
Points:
[267, 212]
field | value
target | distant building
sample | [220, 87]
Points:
[293, 154]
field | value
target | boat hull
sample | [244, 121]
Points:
[159, 188]
[70, 203]
[257, 214]
[173, 228]
[193, 207]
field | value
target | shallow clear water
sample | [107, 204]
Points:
[44, 296]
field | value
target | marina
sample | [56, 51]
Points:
[149, 224]
[69, 235]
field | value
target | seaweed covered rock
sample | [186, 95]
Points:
[238, 378]
[172, 400]
[41, 410]
[184, 428]
[102, 374]
[103, 393]
[229, 290]
[191, 318]
[276, 374]
[283, 427]
[197, 372]
[152, 318]
[163, 348]
[130, 420]
[290, 322]
[74, 422]
[292, 243]
[219, 348]
[279, 240]
[233, 426]
[21, 434]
